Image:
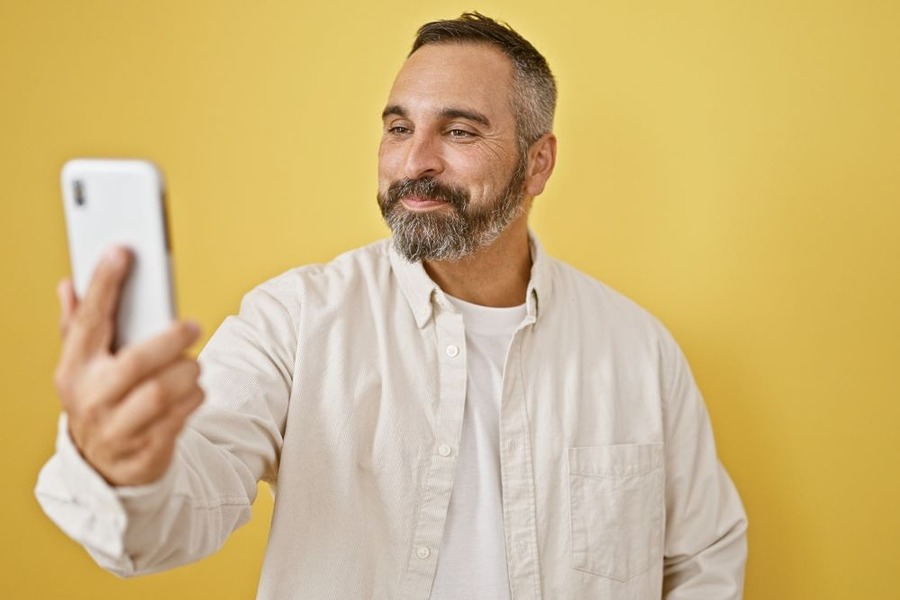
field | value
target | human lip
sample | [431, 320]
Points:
[420, 203]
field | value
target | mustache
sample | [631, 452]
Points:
[427, 188]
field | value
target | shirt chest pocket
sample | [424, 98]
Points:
[616, 496]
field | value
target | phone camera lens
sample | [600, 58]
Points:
[79, 193]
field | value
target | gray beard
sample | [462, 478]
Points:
[437, 235]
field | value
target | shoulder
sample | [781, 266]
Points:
[347, 274]
[595, 308]
[573, 288]
[598, 314]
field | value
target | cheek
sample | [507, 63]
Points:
[389, 154]
[483, 183]
[388, 162]
[386, 166]
[483, 169]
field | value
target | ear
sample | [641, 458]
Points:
[541, 160]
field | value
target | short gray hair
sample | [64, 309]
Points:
[534, 89]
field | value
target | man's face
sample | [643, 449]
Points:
[450, 175]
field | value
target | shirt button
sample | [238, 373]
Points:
[452, 351]
[423, 552]
[444, 450]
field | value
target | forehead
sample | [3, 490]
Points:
[476, 76]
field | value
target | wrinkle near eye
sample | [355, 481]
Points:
[492, 147]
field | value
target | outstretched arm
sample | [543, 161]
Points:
[132, 481]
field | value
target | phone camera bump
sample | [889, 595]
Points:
[79, 193]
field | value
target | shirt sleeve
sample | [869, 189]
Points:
[706, 547]
[232, 442]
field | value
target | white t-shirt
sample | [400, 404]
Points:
[472, 560]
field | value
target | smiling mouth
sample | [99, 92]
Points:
[420, 203]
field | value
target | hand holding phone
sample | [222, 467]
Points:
[126, 404]
[121, 202]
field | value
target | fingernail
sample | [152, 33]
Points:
[193, 328]
[115, 256]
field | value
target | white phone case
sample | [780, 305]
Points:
[112, 201]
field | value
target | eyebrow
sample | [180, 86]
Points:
[469, 115]
[447, 113]
[393, 109]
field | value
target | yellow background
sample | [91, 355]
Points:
[732, 166]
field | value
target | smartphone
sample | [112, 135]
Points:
[122, 202]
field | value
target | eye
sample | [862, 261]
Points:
[459, 133]
[399, 130]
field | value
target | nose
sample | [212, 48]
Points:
[423, 157]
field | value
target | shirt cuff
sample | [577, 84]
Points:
[87, 508]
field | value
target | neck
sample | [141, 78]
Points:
[496, 275]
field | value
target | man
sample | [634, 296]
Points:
[451, 415]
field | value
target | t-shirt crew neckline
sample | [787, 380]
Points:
[489, 320]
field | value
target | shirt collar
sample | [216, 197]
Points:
[415, 284]
[423, 294]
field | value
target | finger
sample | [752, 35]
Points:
[176, 419]
[136, 362]
[68, 302]
[152, 400]
[93, 322]
[154, 448]
[99, 386]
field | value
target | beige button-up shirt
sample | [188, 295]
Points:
[343, 385]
